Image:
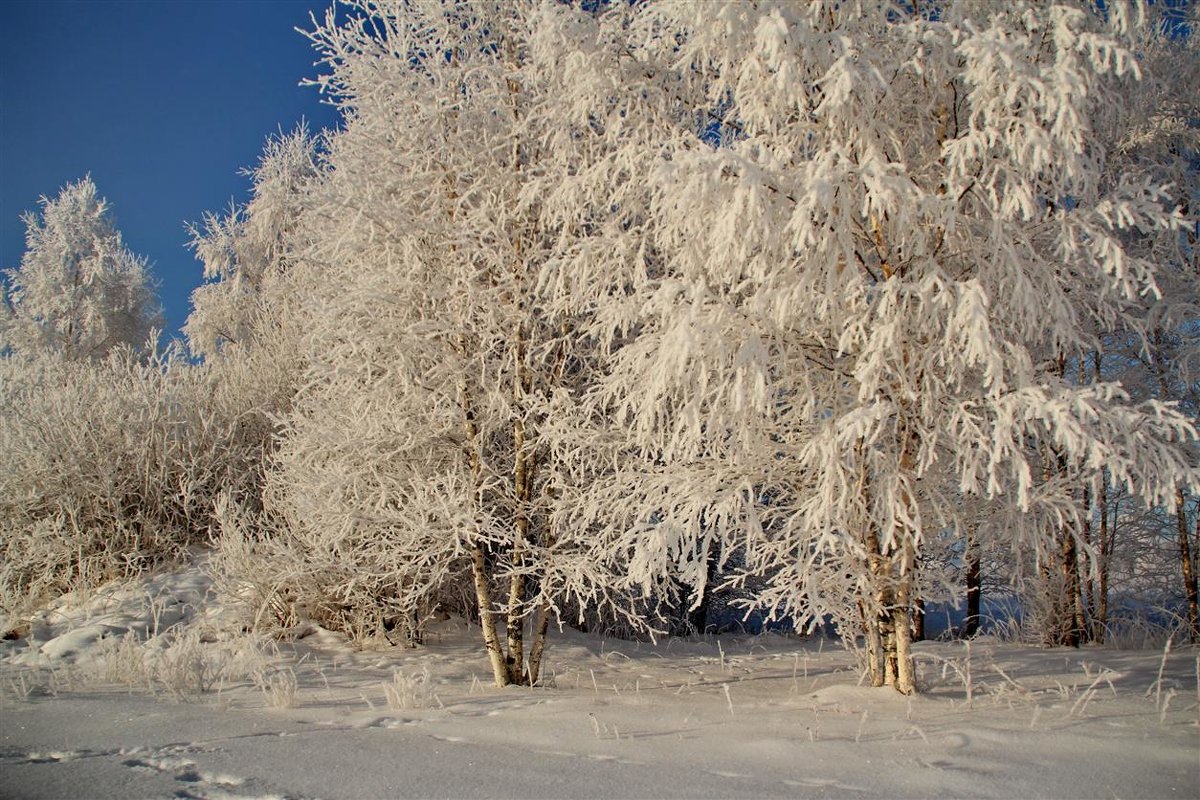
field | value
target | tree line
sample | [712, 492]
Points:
[586, 313]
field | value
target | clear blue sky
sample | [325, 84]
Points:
[163, 102]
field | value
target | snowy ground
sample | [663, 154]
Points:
[90, 708]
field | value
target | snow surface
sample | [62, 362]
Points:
[101, 698]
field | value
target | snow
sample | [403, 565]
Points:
[729, 716]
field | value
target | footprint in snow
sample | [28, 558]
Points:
[201, 784]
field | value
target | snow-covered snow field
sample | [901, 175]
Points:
[141, 691]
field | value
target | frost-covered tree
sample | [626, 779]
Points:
[1150, 137]
[1162, 144]
[247, 319]
[79, 291]
[421, 452]
[872, 238]
[247, 252]
[611, 293]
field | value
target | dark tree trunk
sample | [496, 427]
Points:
[698, 617]
[1100, 617]
[1100, 620]
[1188, 567]
[974, 588]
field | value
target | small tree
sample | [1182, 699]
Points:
[79, 291]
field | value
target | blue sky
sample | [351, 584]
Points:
[162, 102]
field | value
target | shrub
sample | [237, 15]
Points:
[107, 468]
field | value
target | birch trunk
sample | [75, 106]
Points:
[872, 617]
[487, 617]
[479, 568]
[516, 586]
[902, 617]
[874, 646]
[889, 626]
[902, 624]
[539, 645]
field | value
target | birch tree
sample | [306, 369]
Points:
[247, 253]
[612, 293]
[79, 292]
[1163, 144]
[247, 319]
[870, 236]
[422, 449]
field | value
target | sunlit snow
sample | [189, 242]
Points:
[729, 716]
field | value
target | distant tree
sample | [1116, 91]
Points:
[1154, 350]
[79, 292]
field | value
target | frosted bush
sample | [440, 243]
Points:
[278, 572]
[413, 690]
[107, 468]
[187, 660]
